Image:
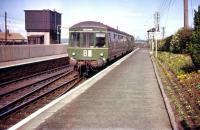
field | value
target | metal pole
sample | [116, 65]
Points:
[5, 28]
[58, 33]
[185, 14]
[163, 31]
[157, 29]
[153, 43]
[157, 21]
[156, 44]
[148, 37]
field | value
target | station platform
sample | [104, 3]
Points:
[30, 60]
[125, 95]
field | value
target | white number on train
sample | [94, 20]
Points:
[87, 53]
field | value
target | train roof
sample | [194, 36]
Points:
[94, 24]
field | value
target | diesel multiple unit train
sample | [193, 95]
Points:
[94, 44]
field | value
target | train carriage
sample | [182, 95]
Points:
[93, 44]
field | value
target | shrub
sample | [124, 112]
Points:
[163, 45]
[180, 41]
[195, 40]
[196, 59]
[186, 35]
[174, 44]
[160, 45]
[167, 43]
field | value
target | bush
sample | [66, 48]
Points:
[163, 45]
[195, 48]
[160, 45]
[195, 40]
[196, 59]
[174, 44]
[167, 43]
[180, 41]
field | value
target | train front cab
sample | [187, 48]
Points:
[88, 48]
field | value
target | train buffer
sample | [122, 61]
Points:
[127, 96]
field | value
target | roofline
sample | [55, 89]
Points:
[44, 10]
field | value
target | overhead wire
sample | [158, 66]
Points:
[162, 6]
[11, 22]
[164, 11]
[168, 11]
[150, 18]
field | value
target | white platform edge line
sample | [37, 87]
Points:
[95, 78]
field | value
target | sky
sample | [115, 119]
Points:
[132, 16]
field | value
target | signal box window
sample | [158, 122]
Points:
[75, 39]
[100, 39]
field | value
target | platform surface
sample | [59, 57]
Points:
[30, 60]
[128, 97]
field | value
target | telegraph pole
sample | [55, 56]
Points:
[163, 32]
[5, 28]
[185, 14]
[157, 21]
[157, 29]
[148, 36]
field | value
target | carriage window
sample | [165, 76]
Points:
[75, 39]
[100, 39]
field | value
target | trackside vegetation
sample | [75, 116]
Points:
[185, 41]
[179, 68]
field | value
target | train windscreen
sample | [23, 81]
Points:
[88, 39]
[100, 39]
[75, 39]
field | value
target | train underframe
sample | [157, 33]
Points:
[85, 67]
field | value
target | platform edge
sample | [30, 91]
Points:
[170, 113]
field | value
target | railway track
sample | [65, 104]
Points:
[25, 79]
[17, 103]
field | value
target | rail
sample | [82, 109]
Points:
[11, 105]
[30, 76]
[26, 103]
